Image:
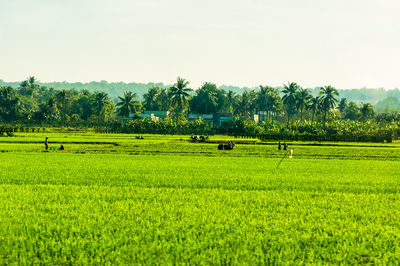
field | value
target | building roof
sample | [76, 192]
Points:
[202, 116]
[157, 113]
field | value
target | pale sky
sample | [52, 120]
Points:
[344, 43]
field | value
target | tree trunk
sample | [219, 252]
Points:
[288, 120]
[301, 115]
[312, 118]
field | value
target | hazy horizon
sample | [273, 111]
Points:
[347, 44]
[171, 83]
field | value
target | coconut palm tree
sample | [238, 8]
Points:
[314, 107]
[303, 100]
[275, 102]
[206, 99]
[63, 101]
[10, 104]
[164, 100]
[15, 107]
[352, 111]
[367, 111]
[49, 110]
[6, 92]
[342, 105]
[243, 105]
[290, 99]
[127, 104]
[180, 95]
[150, 99]
[263, 97]
[268, 100]
[62, 97]
[327, 98]
[100, 102]
[32, 80]
[232, 100]
[29, 87]
[246, 105]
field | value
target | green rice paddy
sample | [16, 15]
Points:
[115, 199]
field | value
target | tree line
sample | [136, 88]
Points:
[115, 89]
[31, 103]
[290, 112]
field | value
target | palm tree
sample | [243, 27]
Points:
[262, 97]
[10, 104]
[100, 102]
[303, 100]
[151, 99]
[268, 100]
[63, 100]
[232, 100]
[49, 110]
[290, 99]
[62, 97]
[367, 111]
[342, 105]
[32, 80]
[7, 93]
[16, 108]
[243, 105]
[352, 111]
[246, 104]
[314, 106]
[207, 98]
[328, 101]
[180, 94]
[127, 104]
[275, 102]
[29, 87]
[164, 100]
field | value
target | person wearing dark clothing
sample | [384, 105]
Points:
[231, 144]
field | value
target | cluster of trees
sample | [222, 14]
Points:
[170, 125]
[291, 103]
[115, 89]
[30, 103]
[343, 130]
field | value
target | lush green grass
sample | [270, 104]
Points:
[171, 145]
[163, 200]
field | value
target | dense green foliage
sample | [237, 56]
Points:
[115, 89]
[322, 117]
[115, 199]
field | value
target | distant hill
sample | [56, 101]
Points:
[115, 89]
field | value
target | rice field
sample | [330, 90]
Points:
[115, 199]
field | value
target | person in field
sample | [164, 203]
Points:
[46, 143]
[231, 144]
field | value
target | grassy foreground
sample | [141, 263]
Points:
[113, 199]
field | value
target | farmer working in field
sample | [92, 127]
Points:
[46, 143]
[231, 144]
